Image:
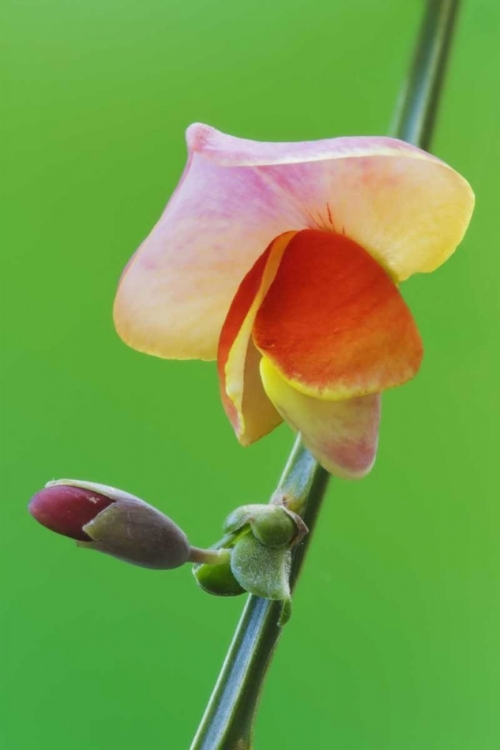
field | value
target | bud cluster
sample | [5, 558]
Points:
[253, 556]
[261, 538]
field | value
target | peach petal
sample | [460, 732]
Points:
[405, 207]
[333, 322]
[342, 435]
[174, 295]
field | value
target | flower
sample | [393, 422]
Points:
[111, 521]
[283, 260]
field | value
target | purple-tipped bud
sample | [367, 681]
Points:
[66, 509]
[111, 521]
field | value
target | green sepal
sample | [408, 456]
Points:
[286, 612]
[240, 517]
[260, 570]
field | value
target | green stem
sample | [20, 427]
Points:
[418, 104]
[209, 556]
[228, 720]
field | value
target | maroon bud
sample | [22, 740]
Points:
[112, 521]
[66, 509]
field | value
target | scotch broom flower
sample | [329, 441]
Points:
[283, 261]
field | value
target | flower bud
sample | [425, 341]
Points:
[218, 580]
[273, 525]
[111, 521]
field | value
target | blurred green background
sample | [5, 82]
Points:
[395, 639]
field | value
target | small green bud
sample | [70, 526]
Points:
[218, 580]
[274, 528]
[273, 525]
[259, 539]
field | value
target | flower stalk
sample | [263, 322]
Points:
[209, 556]
[228, 720]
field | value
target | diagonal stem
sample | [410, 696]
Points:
[228, 720]
[418, 104]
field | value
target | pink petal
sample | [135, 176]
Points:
[176, 291]
[341, 435]
[407, 208]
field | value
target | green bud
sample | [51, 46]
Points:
[274, 528]
[273, 525]
[217, 579]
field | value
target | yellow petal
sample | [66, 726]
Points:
[245, 402]
[341, 435]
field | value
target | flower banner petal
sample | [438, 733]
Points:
[407, 208]
[231, 151]
[342, 435]
[333, 323]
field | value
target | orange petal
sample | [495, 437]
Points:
[341, 435]
[247, 406]
[333, 323]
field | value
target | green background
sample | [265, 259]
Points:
[395, 639]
